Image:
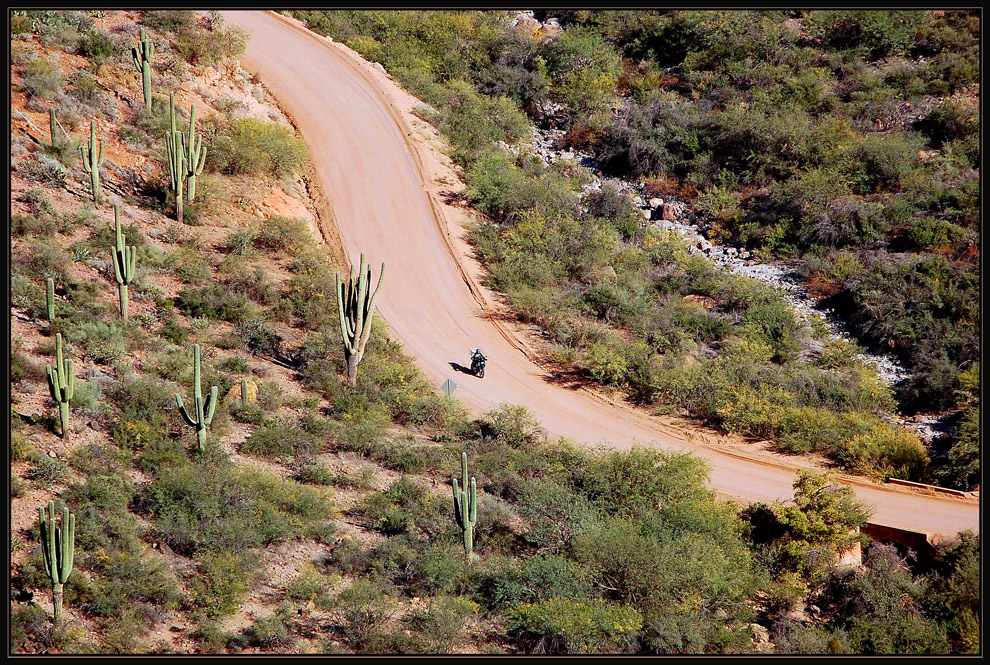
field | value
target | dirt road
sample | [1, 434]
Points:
[381, 178]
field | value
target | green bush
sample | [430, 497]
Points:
[250, 146]
[216, 301]
[572, 627]
[98, 46]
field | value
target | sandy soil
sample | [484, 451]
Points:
[380, 168]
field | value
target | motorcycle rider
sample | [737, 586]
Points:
[478, 361]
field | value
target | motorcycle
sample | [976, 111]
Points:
[478, 363]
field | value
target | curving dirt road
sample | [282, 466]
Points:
[373, 162]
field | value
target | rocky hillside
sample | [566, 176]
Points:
[316, 517]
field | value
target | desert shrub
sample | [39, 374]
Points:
[822, 521]
[43, 170]
[271, 631]
[961, 466]
[535, 579]
[132, 585]
[396, 509]
[172, 20]
[216, 301]
[222, 581]
[554, 512]
[363, 607]
[948, 121]
[47, 471]
[98, 46]
[563, 626]
[189, 266]
[205, 508]
[888, 616]
[211, 47]
[276, 440]
[442, 622]
[280, 234]
[251, 146]
[888, 451]
[258, 337]
[42, 79]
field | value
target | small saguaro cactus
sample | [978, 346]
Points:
[124, 262]
[92, 161]
[51, 120]
[355, 307]
[466, 508]
[203, 410]
[195, 157]
[244, 392]
[61, 384]
[142, 62]
[50, 299]
[58, 544]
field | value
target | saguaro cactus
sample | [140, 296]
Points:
[61, 384]
[58, 545]
[244, 392]
[195, 157]
[92, 161]
[175, 150]
[466, 508]
[51, 120]
[50, 299]
[355, 306]
[203, 410]
[124, 262]
[142, 62]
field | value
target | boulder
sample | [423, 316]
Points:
[233, 395]
[656, 202]
[669, 212]
[760, 634]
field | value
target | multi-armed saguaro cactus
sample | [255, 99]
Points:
[203, 410]
[92, 161]
[50, 299]
[175, 153]
[124, 262]
[466, 508]
[51, 120]
[355, 306]
[195, 157]
[142, 62]
[61, 384]
[58, 545]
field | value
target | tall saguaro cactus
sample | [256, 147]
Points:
[92, 161]
[195, 157]
[355, 306]
[142, 62]
[51, 120]
[61, 384]
[50, 300]
[58, 545]
[175, 153]
[124, 262]
[203, 410]
[466, 508]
